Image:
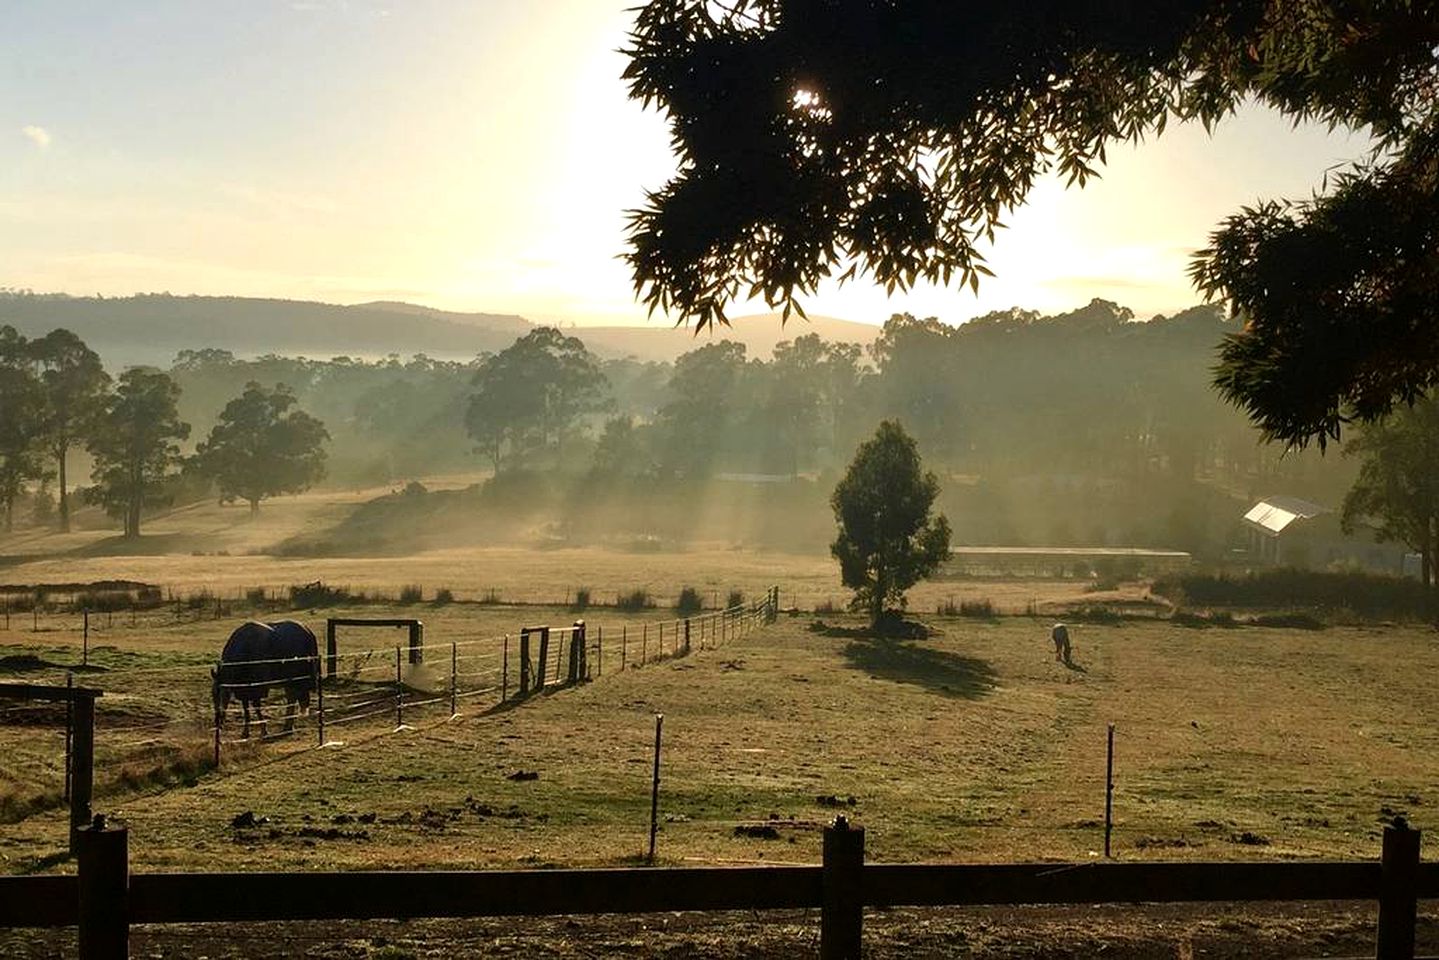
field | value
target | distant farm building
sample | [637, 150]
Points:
[1290, 532]
[1061, 561]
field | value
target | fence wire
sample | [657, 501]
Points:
[158, 724]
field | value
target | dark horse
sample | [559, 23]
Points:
[261, 655]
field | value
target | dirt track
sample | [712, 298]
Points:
[1177, 932]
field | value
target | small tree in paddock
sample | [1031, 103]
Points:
[261, 448]
[887, 540]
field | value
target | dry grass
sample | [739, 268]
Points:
[520, 574]
[972, 745]
[207, 547]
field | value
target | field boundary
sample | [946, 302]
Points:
[104, 898]
[377, 688]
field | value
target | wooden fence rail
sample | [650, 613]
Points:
[105, 898]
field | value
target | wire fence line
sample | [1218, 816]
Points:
[157, 725]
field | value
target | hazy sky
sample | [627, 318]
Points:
[472, 155]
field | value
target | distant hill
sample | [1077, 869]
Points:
[152, 328]
[759, 334]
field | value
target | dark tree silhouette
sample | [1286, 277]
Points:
[21, 402]
[260, 447]
[822, 138]
[887, 539]
[530, 394]
[76, 389]
[134, 447]
[1396, 495]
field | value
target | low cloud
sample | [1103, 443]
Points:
[36, 135]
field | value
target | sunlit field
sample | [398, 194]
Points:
[973, 744]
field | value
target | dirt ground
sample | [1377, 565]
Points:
[1169, 932]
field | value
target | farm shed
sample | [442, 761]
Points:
[1292, 532]
[1273, 522]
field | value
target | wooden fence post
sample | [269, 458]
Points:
[399, 693]
[1398, 892]
[841, 922]
[454, 676]
[320, 703]
[69, 732]
[85, 655]
[104, 881]
[1109, 791]
[82, 782]
[544, 657]
[577, 652]
[584, 658]
[687, 634]
[331, 653]
[599, 652]
[644, 642]
[524, 661]
[655, 787]
[505, 669]
[417, 642]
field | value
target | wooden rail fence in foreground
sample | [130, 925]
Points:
[104, 899]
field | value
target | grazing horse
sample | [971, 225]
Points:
[261, 655]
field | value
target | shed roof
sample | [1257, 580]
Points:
[1273, 515]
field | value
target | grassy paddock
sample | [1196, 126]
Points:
[523, 575]
[974, 744]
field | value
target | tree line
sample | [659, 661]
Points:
[55, 395]
[1086, 427]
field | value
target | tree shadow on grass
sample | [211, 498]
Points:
[904, 661]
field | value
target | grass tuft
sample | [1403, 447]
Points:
[689, 601]
[634, 601]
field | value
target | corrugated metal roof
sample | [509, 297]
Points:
[1272, 515]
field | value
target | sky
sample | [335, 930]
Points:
[476, 155]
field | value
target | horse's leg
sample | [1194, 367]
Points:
[260, 713]
[245, 709]
[292, 707]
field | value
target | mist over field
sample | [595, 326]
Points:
[1086, 429]
[735, 479]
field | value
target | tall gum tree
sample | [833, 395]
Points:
[532, 393]
[75, 390]
[136, 446]
[21, 403]
[260, 448]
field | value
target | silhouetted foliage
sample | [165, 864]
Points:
[1365, 594]
[688, 602]
[75, 388]
[529, 395]
[887, 539]
[887, 140]
[135, 448]
[261, 448]
[21, 405]
[1396, 495]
